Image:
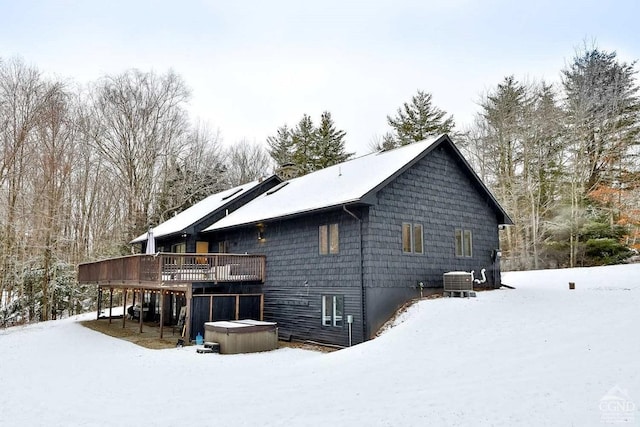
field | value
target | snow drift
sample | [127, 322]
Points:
[537, 355]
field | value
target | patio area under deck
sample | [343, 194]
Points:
[149, 338]
[128, 295]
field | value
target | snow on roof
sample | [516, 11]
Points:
[198, 211]
[336, 185]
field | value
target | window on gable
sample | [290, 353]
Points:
[459, 243]
[467, 243]
[329, 239]
[412, 238]
[406, 237]
[417, 238]
[332, 310]
[463, 243]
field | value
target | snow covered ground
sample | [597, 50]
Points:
[537, 355]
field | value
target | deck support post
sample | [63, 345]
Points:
[99, 302]
[187, 323]
[124, 306]
[141, 312]
[161, 312]
[261, 307]
[110, 303]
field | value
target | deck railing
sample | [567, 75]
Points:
[175, 268]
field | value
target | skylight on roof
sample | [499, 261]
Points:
[232, 194]
[278, 187]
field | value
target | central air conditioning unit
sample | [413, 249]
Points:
[457, 281]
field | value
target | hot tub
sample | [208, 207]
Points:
[242, 336]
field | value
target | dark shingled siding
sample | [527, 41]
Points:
[297, 275]
[436, 193]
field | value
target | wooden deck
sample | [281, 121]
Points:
[169, 270]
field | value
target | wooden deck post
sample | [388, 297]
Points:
[261, 306]
[110, 303]
[99, 302]
[161, 312]
[124, 307]
[187, 323]
[141, 308]
[237, 307]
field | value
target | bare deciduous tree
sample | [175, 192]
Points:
[247, 162]
[139, 119]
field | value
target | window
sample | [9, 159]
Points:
[459, 243]
[464, 243]
[329, 239]
[467, 243]
[406, 237]
[179, 248]
[333, 239]
[332, 310]
[417, 238]
[412, 238]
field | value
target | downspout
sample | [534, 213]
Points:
[362, 290]
[344, 207]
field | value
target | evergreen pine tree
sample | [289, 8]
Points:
[307, 147]
[281, 146]
[304, 137]
[329, 148]
[418, 120]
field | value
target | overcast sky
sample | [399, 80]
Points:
[253, 66]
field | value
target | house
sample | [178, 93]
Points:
[345, 246]
[173, 286]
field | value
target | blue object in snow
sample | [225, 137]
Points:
[199, 339]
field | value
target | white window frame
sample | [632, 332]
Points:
[331, 316]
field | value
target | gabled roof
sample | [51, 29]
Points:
[200, 210]
[352, 182]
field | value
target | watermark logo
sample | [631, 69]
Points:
[616, 407]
